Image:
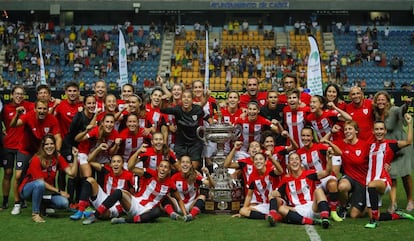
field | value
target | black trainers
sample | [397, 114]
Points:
[324, 222]
[4, 206]
[342, 212]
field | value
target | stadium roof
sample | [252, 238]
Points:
[125, 5]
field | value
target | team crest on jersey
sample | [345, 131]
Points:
[194, 117]
[365, 111]
[46, 129]
[54, 168]
[262, 102]
[358, 152]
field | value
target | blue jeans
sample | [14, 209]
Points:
[36, 190]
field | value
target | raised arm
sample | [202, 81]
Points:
[293, 144]
[114, 148]
[344, 116]
[278, 168]
[409, 140]
[328, 170]
[81, 136]
[94, 153]
[209, 181]
[16, 121]
[228, 162]
[134, 159]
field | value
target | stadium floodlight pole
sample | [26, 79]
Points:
[207, 69]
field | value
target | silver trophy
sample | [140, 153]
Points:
[227, 194]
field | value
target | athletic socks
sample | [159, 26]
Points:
[273, 204]
[256, 215]
[333, 200]
[86, 191]
[198, 206]
[149, 216]
[296, 218]
[83, 205]
[109, 202]
[323, 208]
[169, 209]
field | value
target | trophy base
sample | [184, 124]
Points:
[223, 207]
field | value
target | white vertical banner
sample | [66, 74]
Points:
[207, 72]
[314, 78]
[122, 59]
[42, 64]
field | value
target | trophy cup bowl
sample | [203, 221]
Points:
[218, 133]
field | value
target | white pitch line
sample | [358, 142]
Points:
[313, 235]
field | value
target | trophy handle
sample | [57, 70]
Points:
[203, 138]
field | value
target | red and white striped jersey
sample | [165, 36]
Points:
[112, 182]
[323, 124]
[151, 158]
[299, 191]
[314, 157]
[261, 185]
[152, 191]
[251, 131]
[187, 191]
[130, 142]
[295, 121]
[381, 153]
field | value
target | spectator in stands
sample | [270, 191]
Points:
[297, 27]
[197, 29]
[395, 64]
[245, 27]
[236, 26]
[230, 27]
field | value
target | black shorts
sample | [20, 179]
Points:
[194, 150]
[22, 161]
[9, 155]
[358, 194]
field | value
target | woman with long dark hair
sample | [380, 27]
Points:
[40, 177]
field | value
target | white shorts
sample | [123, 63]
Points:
[99, 200]
[387, 189]
[137, 208]
[324, 181]
[177, 208]
[305, 210]
[261, 207]
[82, 158]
